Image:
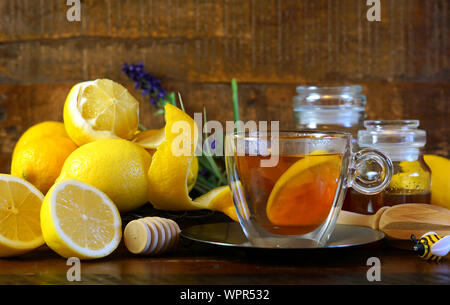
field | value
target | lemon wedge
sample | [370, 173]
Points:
[150, 139]
[20, 204]
[79, 220]
[218, 199]
[100, 109]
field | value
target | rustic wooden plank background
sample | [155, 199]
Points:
[197, 46]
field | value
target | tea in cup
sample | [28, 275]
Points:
[288, 187]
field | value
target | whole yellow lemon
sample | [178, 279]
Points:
[440, 180]
[41, 130]
[39, 161]
[117, 167]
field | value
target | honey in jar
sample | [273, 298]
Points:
[402, 142]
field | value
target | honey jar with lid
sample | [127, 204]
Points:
[402, 142]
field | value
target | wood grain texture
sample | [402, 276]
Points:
[195, 264]
[355, 219]
[199, 264]
[400, 221]
[22, 105]
[274, 41]
[196, 46]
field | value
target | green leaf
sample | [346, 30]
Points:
[172, 98]
[204, 181]
[159, 112]
[215, 169]
[181, 102]
[234, 89]
[142, 127]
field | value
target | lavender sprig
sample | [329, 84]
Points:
[148, 85]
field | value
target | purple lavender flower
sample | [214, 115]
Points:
[148, 84]
[204, 172]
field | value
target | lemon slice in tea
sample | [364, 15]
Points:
[304, 193]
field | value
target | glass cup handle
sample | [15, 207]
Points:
[370, 171]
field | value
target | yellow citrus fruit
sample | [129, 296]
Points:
[218, 199]
[440, 180]
[39, 161]
[304, 193]
[20, 205]
[41, 130]
[174, 169]
[117, 167]
[149, 139]
[100, 109]
[79, 220]
[192, 174]
[168, 173]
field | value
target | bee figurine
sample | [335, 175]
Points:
[431, 247]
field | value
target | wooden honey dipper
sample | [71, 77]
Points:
[400, 221]
[151, 235]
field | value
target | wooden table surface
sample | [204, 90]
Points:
[196, 48]
[194, 263]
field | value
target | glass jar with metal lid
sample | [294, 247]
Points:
[330, 108]
[402, 142]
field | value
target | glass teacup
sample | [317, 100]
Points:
[288, 187]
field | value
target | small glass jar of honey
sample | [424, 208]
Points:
[402, 142]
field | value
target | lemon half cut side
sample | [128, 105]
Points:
[78, 220]
[100, 109]
[20, 204]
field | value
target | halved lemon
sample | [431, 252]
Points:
[79, 220]
[100, 109]
[20, 204]
[304, 194]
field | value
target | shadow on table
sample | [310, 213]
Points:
[356, 255]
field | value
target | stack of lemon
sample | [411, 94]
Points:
[97, 164]
[92, 167]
